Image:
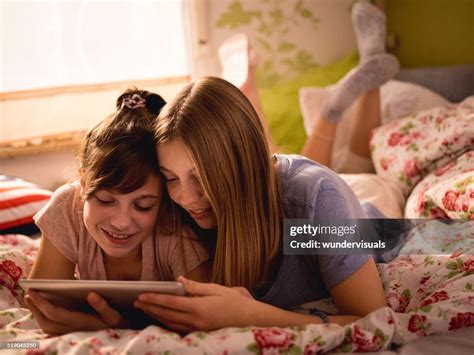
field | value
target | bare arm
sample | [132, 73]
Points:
[357, 296]
[265, 315]
[361, 293]
[214, 306]
[50, 263]
[319, 144]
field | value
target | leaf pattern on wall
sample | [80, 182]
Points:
[269, 22]
[236, 16]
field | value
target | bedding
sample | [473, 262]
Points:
[422, 238]
[427, 295]
[381, 193]
[455, 196]
[421, 202]
[408, 149]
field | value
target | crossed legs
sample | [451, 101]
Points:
[359, 88]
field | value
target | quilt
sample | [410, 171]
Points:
[426, 294]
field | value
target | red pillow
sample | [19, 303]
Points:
[19, 202]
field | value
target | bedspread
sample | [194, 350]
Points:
[427, 294]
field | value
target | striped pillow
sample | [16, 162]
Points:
[19, 202]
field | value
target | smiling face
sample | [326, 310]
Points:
[183, 184]
[120, 223]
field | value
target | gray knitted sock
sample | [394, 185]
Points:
[369, 74]
[370, 29]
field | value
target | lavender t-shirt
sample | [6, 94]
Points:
[311, 191]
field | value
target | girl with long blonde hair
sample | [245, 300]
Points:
[235, 195]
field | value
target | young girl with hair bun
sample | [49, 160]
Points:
[104, 225]
[234, 194]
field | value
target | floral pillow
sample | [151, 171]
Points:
[408, 149]
[422, 202]
[455, 196]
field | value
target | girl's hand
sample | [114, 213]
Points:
[56, 320]
[243, 291]
[206, 307]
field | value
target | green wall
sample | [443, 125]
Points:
[432, 32]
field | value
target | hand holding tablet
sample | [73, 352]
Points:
[72, 294]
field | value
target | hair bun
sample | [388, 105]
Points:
[154, 103]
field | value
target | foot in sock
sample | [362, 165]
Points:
[368, 75]
[239, 61]
[370, 29]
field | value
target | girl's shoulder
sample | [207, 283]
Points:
[61, 221]
[69, 191]
[302, 174]
[311, 190]
[64, 203]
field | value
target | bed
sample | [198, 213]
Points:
[429, 286]
[428, 296]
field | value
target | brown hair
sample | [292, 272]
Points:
[119, 152]
[226, 139]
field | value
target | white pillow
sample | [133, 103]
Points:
[380, 192]
[397, 99]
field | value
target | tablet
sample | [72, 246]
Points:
[72, 294]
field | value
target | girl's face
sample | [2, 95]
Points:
[182, 181]
[120, 223]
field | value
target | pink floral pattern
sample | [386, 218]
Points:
[399, 301]
[455, 196]
[362, 340]
[10, 273]
[272, 339]
[462, 320]
[426, 294]
[435, 297]
[422, 143]
[418, 324]
[443, 193]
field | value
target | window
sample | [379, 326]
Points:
[63, 63]
[60, 43]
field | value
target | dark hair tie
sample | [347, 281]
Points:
[154, 104]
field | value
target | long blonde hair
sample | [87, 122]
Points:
[226, 139]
